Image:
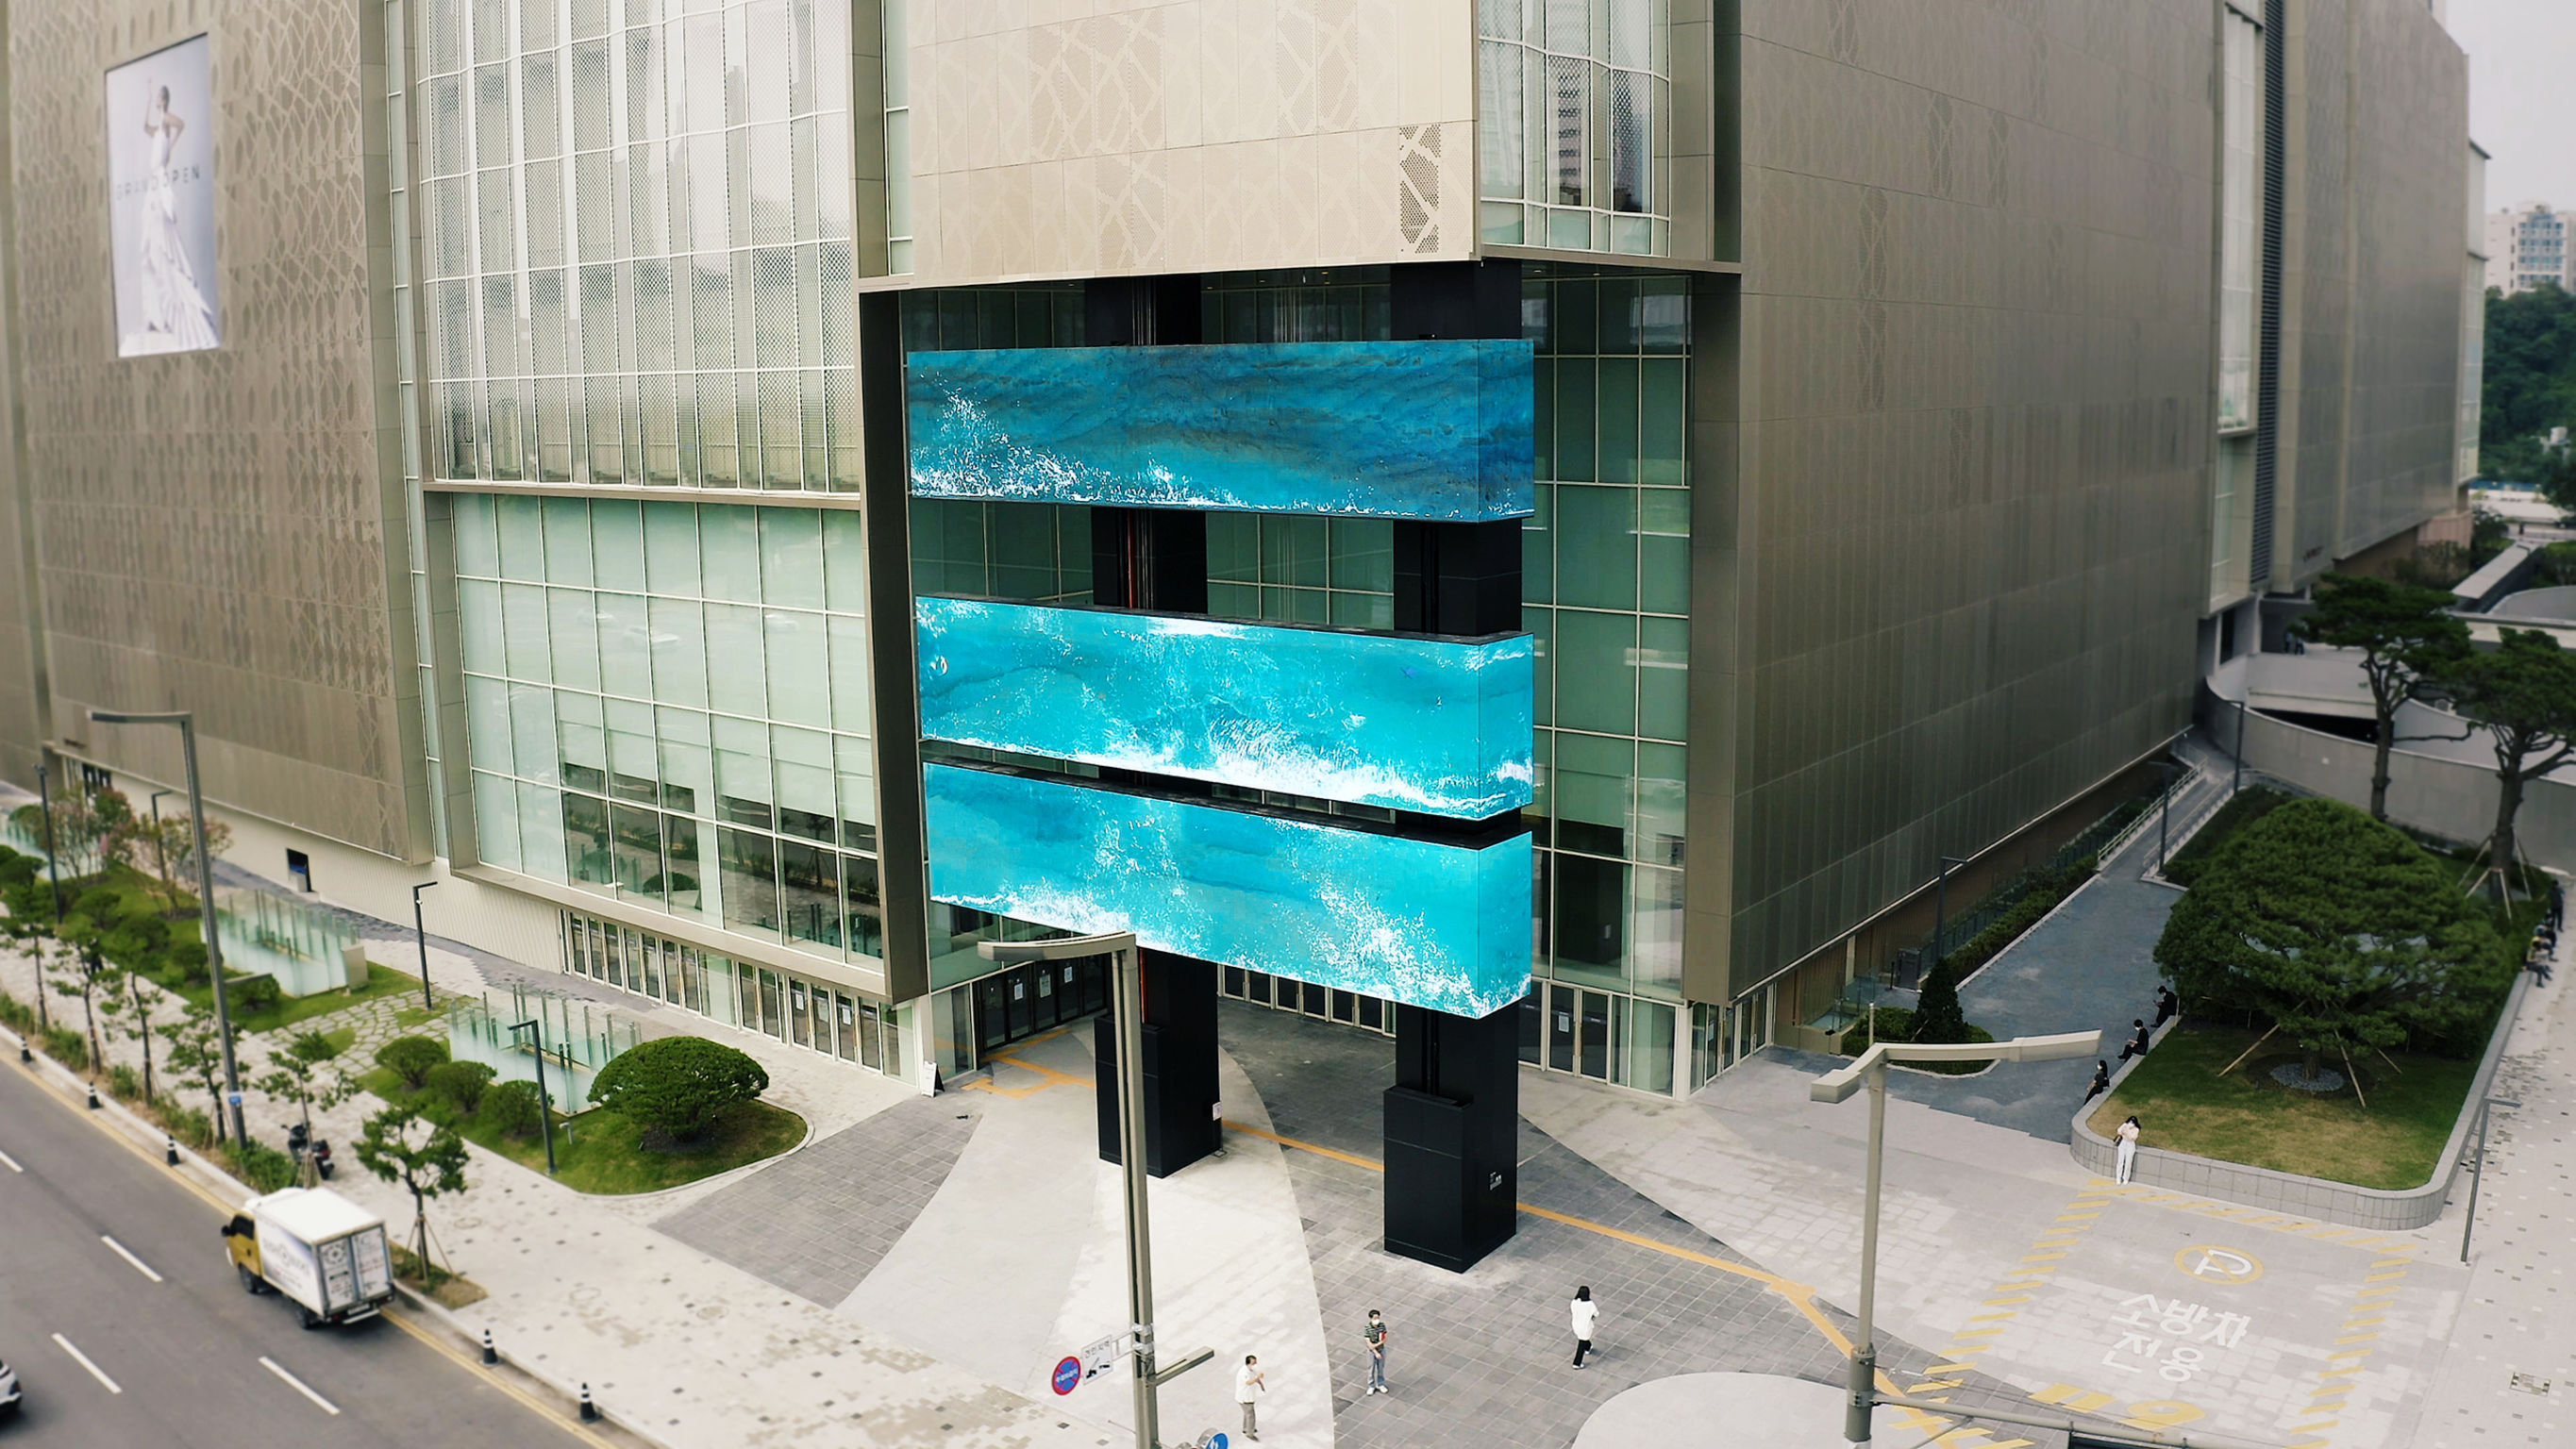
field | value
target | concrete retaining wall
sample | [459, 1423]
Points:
[2385, 1210]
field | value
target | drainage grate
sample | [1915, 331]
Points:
[2531, 1384]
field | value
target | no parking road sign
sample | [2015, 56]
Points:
[1067, 1376]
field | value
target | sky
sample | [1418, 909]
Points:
[2522, 96]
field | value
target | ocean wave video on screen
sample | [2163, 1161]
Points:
[1430, 429]
[1438, 726]
[1425, 923]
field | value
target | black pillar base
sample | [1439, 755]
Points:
[1452, 1137]
[1180, 1066]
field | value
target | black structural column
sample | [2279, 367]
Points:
[1146, 558]
[1156, 558]
[1453, 1115]
[1180, 1066]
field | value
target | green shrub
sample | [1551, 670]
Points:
[104, 905]
[411, 1057]
[186, 1123]
[1937, 1017]
[17, 1014]
[187, 962]
[264, 1167]
[124, 1082]
[675, 1085]
[461, 1084]
[251, 995]
[2043, 897]
[512, 1107]
[66, 1046]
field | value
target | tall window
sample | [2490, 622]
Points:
[637, 223]
[2240, 212]
[1575, 110]
[898, 136]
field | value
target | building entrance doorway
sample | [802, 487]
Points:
[1023, 1001]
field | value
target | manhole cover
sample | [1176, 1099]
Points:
[2531, 1384]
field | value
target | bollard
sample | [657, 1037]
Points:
[26, 1058]
[93, 1096]
[490, 1354]
[170, 1150]
[589, 1410]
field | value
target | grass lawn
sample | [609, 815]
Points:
[382, 982]
[599, 1152]
[2246, 1117]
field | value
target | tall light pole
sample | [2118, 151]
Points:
[420, 934]
[187, 723]
[545, 1105]
[1128, 1001]
[1870, 1070]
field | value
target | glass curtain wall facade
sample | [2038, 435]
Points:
[2240, 215]
[780, 1004]
[669, 703]
[1574, 111]
[637, 235]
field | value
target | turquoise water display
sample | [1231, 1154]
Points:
[1421, 922]
[1435, 725]
[1431, 429]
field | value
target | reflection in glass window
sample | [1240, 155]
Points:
[1574, 114]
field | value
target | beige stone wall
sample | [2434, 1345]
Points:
[222, 531]
[1094, 137]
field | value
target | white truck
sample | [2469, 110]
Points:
[323, 1252]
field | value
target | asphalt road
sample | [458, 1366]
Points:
[190, 1355]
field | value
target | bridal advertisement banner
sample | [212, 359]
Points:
[161, 200]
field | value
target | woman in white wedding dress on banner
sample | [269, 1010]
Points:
[175, 312]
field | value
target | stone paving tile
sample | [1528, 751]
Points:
[818, 1222]
[1484, 1357]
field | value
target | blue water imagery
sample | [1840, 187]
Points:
[1435, 429]
[1441, 726]
[1428, 924]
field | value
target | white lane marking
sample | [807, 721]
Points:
[10, 1162]
[83, 1360]
[120, 1250]
[299, 1386]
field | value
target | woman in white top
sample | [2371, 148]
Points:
[2128, 1135]
[1586, 1313]
[1248, 1388]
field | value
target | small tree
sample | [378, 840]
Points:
[2344, 934]
[675, 1085]
[197, 1054]
[2405, 634]
[2524, 693]
[1937, 1015]
[178, 848]
[129, 1013]
[411, 1057]
[89, 972]
[301, 1074]
[424, 1159]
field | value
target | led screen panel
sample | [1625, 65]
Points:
[1430, 430]
[1424, 923]
[1436, 725]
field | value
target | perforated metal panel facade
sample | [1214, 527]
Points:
[222, 530]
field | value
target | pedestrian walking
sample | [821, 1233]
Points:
[2166, 1005]
[2101, 1081]
[1586, 1314]
[2128, 1135]
[1248, 1389]
[2138, 1044]
[1373, 1334]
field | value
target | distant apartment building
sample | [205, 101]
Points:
[2526, 247]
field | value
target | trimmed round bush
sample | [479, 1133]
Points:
[513, 1107]
[411, 1057]
[249, 995]
[676, 1085]
[461, 1084]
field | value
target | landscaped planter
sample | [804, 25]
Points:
[2387, 1210]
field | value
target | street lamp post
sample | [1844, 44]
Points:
[545, 1104]
[420, 934]
[187, 724]
[1941, 912]
[1129, 1005]
[1870, 1070]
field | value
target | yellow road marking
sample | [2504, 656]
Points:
[1999, 1302]
[1936, 1384]
[2358, 1338]
[2392, 1262]
[2042, 1257]
[2366, 1322]
[2383, 1277]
